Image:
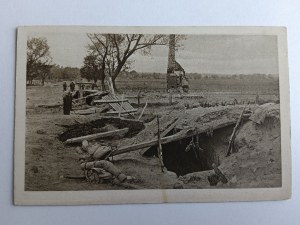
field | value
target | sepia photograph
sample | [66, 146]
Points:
[108, 115]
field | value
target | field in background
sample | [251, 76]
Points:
[256, 83]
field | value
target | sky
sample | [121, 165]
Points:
[215, 54]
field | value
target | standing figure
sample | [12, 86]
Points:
[64, 86]
[75, 93]
[72, 86]
[67, 99]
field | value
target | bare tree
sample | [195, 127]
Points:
[116, 49]
[100, 48]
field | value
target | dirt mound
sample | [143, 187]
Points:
[102, 125]
[257, 162]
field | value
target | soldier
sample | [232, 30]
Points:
[75, 93]
[64, 86]
[67, 100]
[72, 86]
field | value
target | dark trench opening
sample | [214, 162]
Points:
[182, 160]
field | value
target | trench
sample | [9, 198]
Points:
[212, 150]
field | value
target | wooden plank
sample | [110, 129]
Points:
[96, 136]
[143, 111]
[98, 93]
[122, 112]
[110, 101]
[141, 96]
[115, 106]
[176, 137]
[126, 105]
[167, 130]
[164, 140]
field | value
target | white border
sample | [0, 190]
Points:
[22, 197]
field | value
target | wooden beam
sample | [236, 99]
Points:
[186, 133]
[141, 96]
[181, 135]
[166, 131]
[125, 111]
[232, 137]
[97, 135]
[143, 111]
[98, 93]
[159, 148]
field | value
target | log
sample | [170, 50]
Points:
[97, 135]
[186, 133]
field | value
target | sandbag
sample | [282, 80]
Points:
[107, 166]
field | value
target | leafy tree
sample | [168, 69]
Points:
[38, 59]
[64, 73]
[70, 73]
[90, 69]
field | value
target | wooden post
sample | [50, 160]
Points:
[159, 147]
[170, 97]
[232, 137]
[143, 111]
[138, 98]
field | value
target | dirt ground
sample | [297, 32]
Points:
[49, 160]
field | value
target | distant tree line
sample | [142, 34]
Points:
[195, 76]
[60, 73]
[39, 63]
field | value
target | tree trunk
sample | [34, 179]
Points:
[43, 81]
[103, 84]
[114, 84]
[102, 78]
